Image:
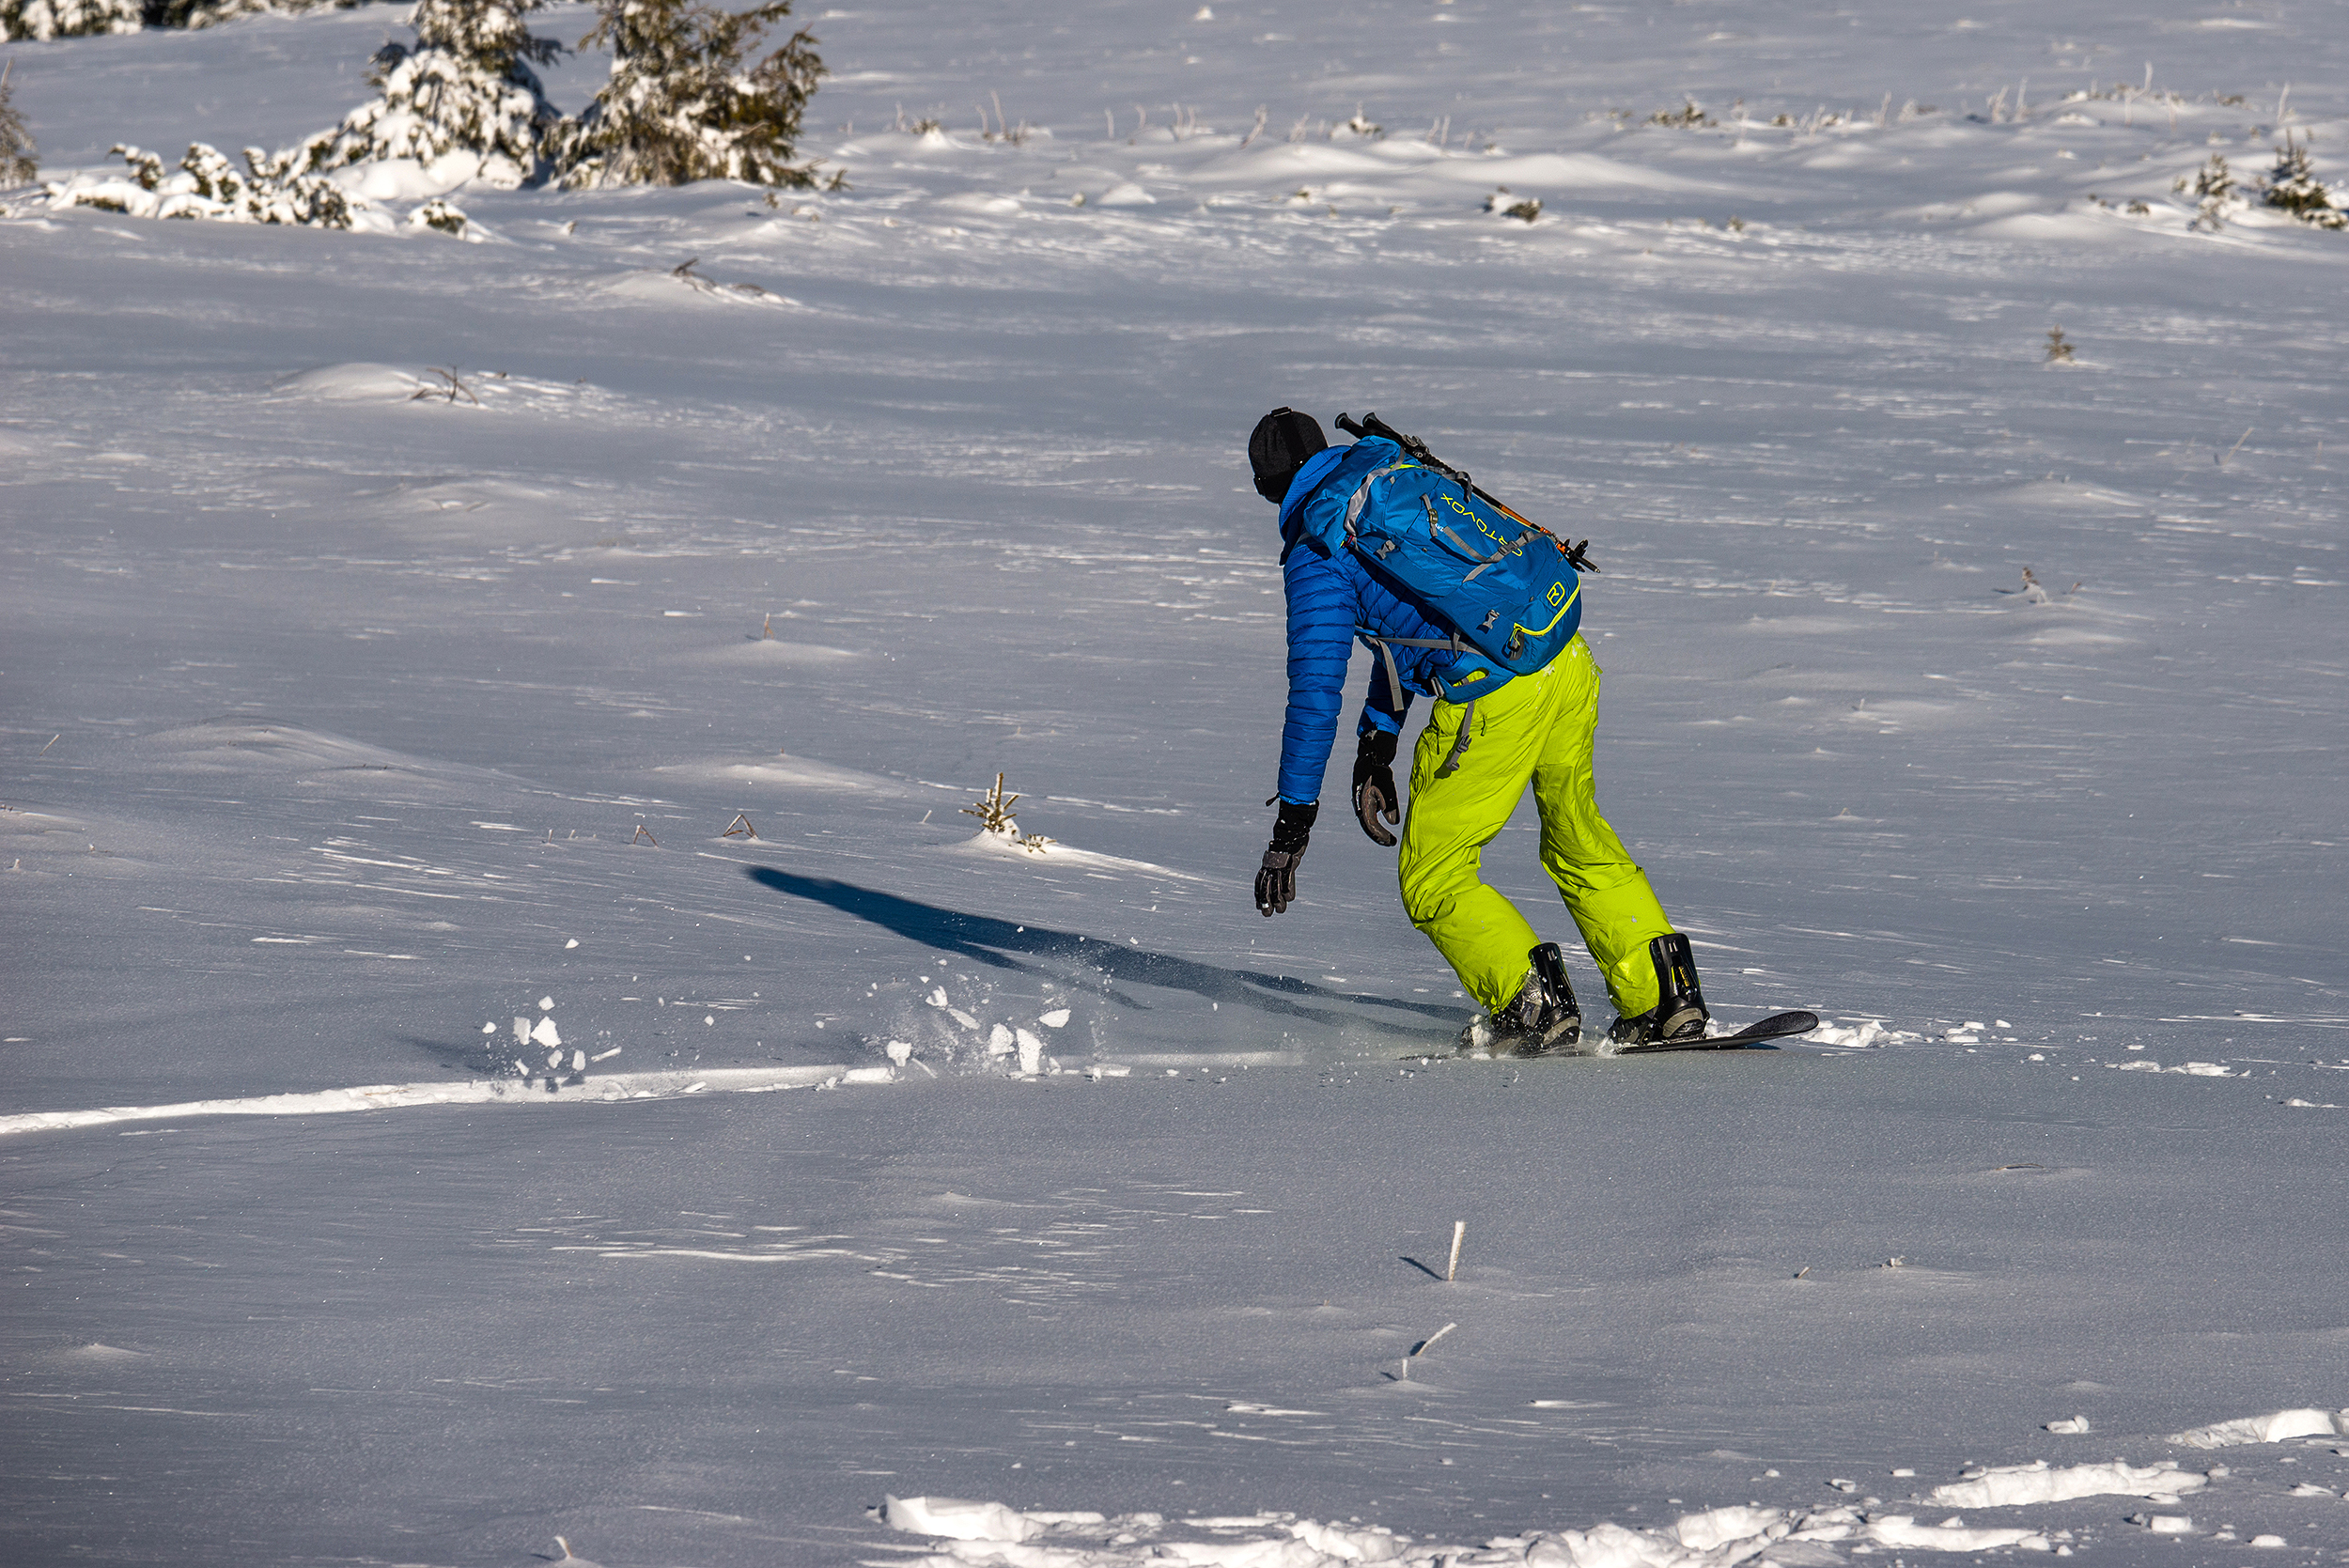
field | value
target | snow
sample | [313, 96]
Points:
[2272, 1428]
[876, 1161]
[2008, 1485]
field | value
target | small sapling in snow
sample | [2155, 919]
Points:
[2291, 185]
[2213, 188]
[993, 810]
[2058, 346]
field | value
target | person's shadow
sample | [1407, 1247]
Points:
[1002, 944]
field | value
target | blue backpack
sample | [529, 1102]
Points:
[1504, 588]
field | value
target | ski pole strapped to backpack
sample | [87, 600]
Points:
[1504, 588]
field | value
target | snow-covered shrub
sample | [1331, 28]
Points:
[448, 217]
[466, 86]
[271, 188]
[1525, 208]
[681, 106]
[2291, 185]
[19, 155]
[43, 20]
[1689, 116]
[2213, 191]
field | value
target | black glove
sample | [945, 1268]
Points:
[1374, 785]
[1276, 884]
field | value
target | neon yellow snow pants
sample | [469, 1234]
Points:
[1536, 729]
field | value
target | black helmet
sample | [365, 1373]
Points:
[1282, 442]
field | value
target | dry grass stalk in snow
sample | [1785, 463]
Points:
[452, 387]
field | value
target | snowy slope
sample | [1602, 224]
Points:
[359, 701]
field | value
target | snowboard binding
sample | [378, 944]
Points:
[1543, 1019]
[1679, 1012]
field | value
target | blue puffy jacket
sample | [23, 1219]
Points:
[1329, 595]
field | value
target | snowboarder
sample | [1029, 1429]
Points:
[1472, 763]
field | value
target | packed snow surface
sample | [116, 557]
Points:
[525, 1015]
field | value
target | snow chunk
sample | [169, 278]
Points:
[1717, 1538]
[2010, 1484]
[1057, 1018]
[1030, 1053]
[544, 1033]
[2272, 1428]
[1704, 1531]
[959, 1520]
[1350, 1545]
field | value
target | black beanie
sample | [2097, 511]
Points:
[1282, 443]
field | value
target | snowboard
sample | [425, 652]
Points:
[1774, 1027]
[1755, 1035]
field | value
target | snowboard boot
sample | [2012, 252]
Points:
[1545, 1017]
[1679, 1012]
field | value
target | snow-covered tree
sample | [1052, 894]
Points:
[2291, 185]
[681, 105]
[43, 20]
[211, 13]
[466, 86]
[18, 160]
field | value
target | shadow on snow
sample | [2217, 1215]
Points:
[1002, 944]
